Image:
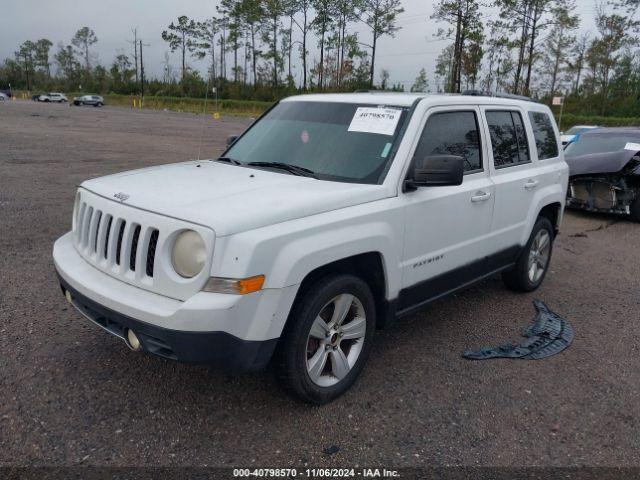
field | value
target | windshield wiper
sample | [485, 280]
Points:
[302, 171]
[228, 160]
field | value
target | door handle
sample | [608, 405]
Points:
[531, 184]
[481, 197]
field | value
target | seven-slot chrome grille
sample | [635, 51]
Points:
[126, 243]
[116, 242]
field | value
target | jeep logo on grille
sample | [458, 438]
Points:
[121, 196]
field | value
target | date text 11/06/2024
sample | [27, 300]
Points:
[316, 472]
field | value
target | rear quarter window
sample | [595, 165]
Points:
[544, 135]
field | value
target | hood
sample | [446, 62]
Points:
[228, 198]
[609, 162]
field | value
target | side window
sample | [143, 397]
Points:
[452, 133]
[508, 138]
[545, 137]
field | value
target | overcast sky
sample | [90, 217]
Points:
[413, 47]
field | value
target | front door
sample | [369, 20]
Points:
[448, 228]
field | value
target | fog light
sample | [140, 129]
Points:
[134, 341]
[67, 295]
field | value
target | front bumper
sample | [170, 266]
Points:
[577, 204]
[238, 332]
[218, 348]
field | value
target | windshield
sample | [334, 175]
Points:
[337, 141]
[599, 143]
[577, 130]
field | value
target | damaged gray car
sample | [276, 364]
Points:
[604, 171]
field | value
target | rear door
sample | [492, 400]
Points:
[447, 228]
[513, 173]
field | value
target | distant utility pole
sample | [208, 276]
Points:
[135, 49]
[141, 74]
[26, 71]
[142, 71]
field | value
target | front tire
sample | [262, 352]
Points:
[327, 339]
[532, 264]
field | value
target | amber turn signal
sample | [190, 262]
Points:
[234, 286]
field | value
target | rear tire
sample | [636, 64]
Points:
[326, 341]
[533, 263]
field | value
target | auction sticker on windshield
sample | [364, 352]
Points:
[378, 120]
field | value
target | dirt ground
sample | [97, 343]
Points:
[73, 395]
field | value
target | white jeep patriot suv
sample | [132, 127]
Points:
[326, 219]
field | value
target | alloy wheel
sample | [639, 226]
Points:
[539, 255]
[335, 340]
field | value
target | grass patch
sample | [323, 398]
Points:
[569, 120]
[248, 108]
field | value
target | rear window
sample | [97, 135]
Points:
[508, 138]
[544, 135]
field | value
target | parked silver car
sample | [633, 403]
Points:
[53, 97]
[95, 100]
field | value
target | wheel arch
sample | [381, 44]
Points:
[552, 212]
[368, 266]
[549, 203]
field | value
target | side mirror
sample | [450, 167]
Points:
[437, 171]
[231, 140]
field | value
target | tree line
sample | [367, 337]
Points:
[266, 49]
[532, 47]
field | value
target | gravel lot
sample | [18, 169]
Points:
[71, 394]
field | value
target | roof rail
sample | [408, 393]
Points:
[364, 90]
[481, 93]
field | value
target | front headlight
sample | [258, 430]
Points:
[189, 254]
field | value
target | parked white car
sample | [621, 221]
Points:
[53, 97]
[3, 97]
[572, 134]
[328, 218]
[95, 100]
